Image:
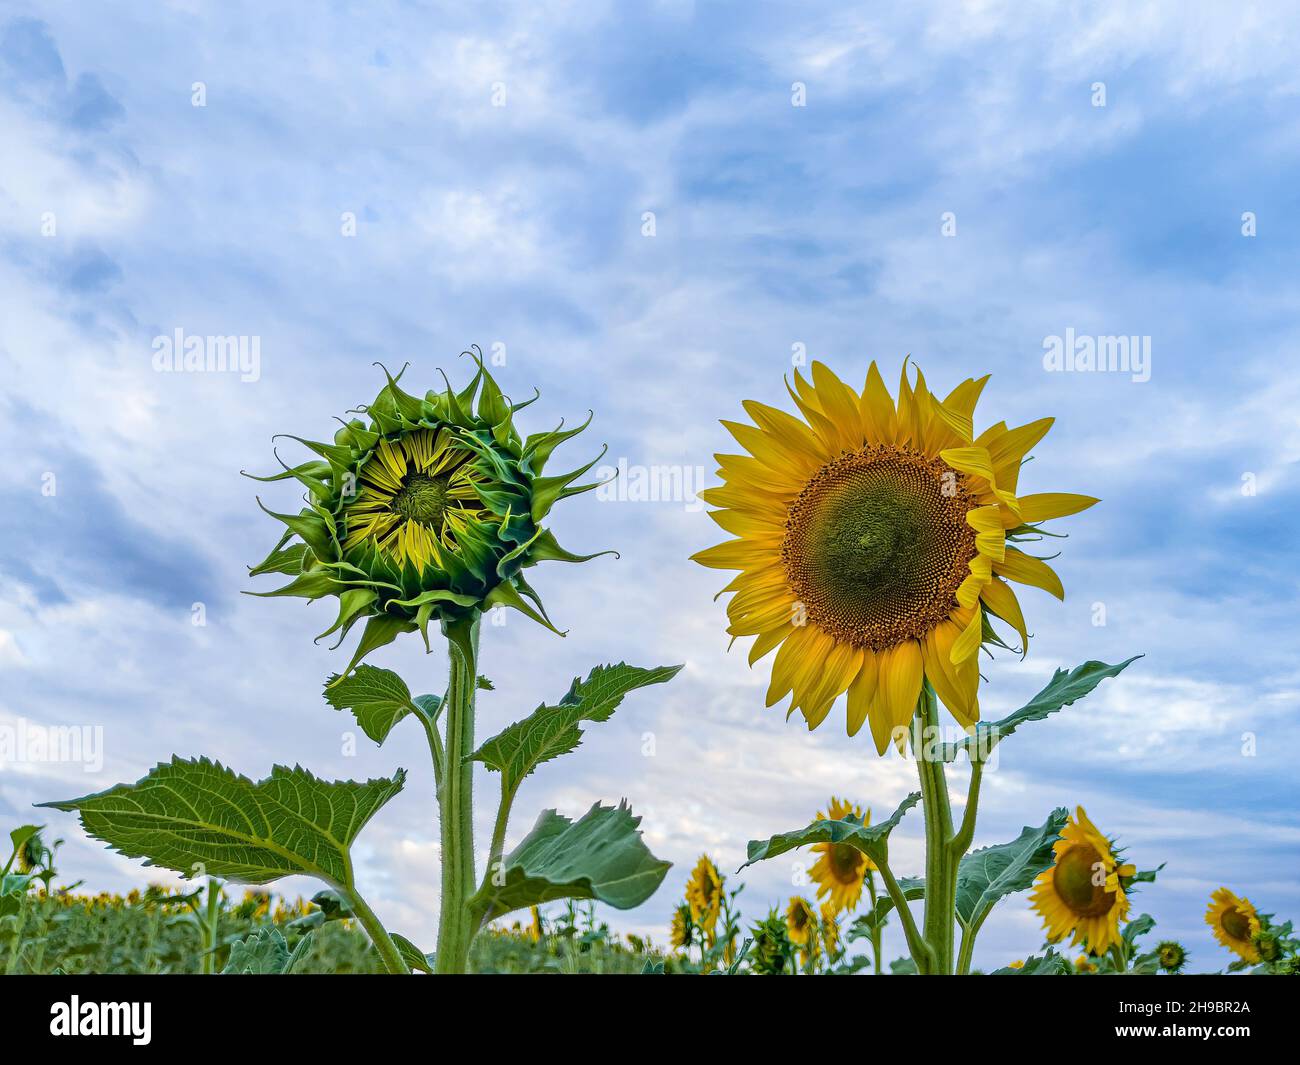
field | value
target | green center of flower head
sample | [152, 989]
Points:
[1235, 923]
[1076, 875]
[422, 498]
[877, 544]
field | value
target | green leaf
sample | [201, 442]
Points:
[416, 960]
[1049, 964]
[1062, 690]
[380, 631]
[550, 731]
[377, 698]
[1134, 930]
[902, 967]
[332, 905]
[987, 875]
[19, 837]
[202, 819]
[601, 856]
[872, 840]
[265, 953]
[913, 888]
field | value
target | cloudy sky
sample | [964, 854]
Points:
[397, 181]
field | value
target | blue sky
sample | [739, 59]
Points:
[775, 226]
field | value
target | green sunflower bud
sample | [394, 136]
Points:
[1171, 956]
[1266, 942]
[425, 510]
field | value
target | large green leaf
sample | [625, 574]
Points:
[377, 698]
[550, 731]
[1062, 690]
[202, 819]
[600, 856]
[987, 875]
[872, 840]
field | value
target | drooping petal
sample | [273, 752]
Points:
[1025, 569]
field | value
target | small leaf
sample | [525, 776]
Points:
[265, 953]
[987, 875]
[1062, 690]
[202, 819]
[550, 731]
[872, 840]
[333, 906]
[1049, 964]
[378, 699]
[601, 856]
[416, 959]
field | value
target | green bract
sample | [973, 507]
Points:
[425, 510]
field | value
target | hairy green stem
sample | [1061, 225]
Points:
[876, 931]
[915, 943]
[940, 866]
[967, 949]
[959, 846]
[456, 925]
[388, 952]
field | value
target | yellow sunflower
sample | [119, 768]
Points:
[704, 896]
[840, 869]
[872, 541]
[1234, 922]
[800, 922]
[1081, 892]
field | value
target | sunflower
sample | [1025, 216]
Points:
[840, 870]
[771, 952]
[428, 510]
[704, 896]
[800, 922]
[873, 541]
[830, 929]
[534, 929]
[1235, 923]
[1082, 892]
[1171, 956]
[682, 933]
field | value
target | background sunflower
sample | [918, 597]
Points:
[1082, 893]
[840, 870]
[1235, 923]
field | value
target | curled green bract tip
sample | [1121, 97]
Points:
[428, 510]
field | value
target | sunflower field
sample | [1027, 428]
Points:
[875, 540]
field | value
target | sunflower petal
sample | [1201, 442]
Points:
[1047, 505]
[1025, 569]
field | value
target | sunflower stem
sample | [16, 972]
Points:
[456, 924]
[920, 950]
[875, 932]
[384, 945]
[940, 867]
[962, 840]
